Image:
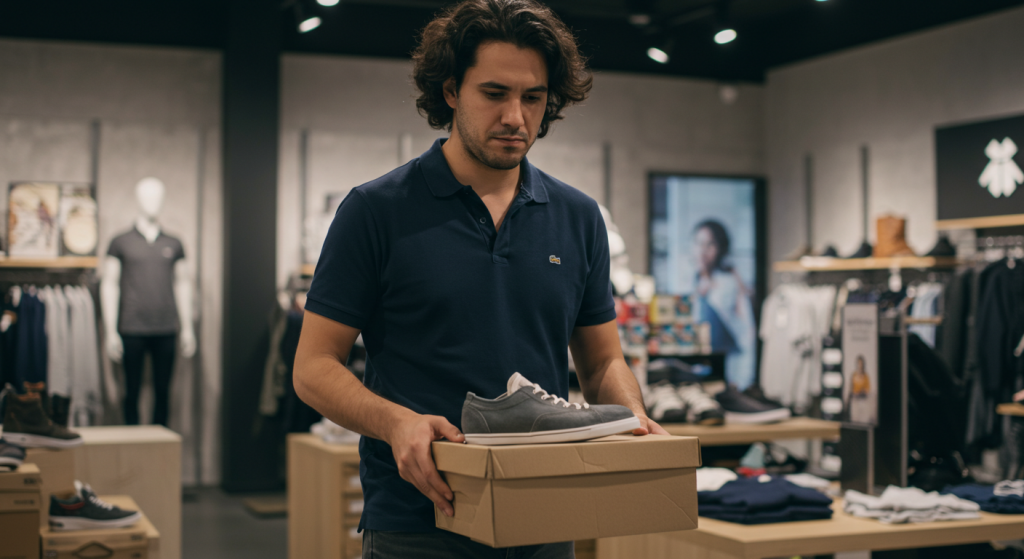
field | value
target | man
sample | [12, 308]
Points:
[460, 268]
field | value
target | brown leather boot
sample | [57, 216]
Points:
[892, 239]
[57, 407]
[27, 425]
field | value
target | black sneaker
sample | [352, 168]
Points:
[11, 456]
[942, 248]
[85, 511]
[27, 424]
[865, 251]
[740, 408]
[754, 391]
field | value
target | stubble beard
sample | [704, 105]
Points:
[479, 152]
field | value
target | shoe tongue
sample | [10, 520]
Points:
[80, 489]
[517, 381]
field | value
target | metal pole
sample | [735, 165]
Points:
[197, 359]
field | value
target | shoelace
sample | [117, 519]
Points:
[696, 398]
[102, 504]
[557, 399]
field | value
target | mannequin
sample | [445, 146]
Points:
[146, 295]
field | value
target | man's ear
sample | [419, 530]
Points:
[451, 94]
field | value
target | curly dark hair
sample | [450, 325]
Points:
[449, 44]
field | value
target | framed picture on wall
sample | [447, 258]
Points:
[707, 241]
[79, 228]
[32, 228]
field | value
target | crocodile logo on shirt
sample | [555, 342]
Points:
[554, 259]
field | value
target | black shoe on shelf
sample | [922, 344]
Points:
[740, 408]
[11, 456]
[942, 248]
[754, 391]
[865, 251]
[830, 252]
[85, 511]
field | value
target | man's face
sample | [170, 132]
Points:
[500, 106]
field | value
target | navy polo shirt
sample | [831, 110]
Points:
[447, 305]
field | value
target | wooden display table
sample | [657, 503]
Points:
[794, 428]
[325, 499]
[714, 539]
[142, 461]
[1015, 408]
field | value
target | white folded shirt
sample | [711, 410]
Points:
[899, 505]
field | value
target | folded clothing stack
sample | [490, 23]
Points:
[901, 505]
[1005, 497]
[763, 500]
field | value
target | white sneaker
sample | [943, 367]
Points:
[664, 403]
[701, 408]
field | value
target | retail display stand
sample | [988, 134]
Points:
[143, 461]
[325, 499]
[715, 539]
[138, 541]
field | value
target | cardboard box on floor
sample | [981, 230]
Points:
[57, 469]
[20, 502]
[533, 494]
[133, 542]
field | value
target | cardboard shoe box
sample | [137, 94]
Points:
[20, 502]
[533, 494]
[140, 541]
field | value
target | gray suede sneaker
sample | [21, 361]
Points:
[526, 414]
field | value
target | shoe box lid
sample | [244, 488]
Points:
[616, 453]
[25, 478]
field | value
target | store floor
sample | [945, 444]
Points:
[216, 525]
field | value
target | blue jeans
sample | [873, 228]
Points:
[447, 545]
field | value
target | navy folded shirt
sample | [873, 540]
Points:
[989, 501]
[751, 501]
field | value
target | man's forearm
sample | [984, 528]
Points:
[613, 383]
[331, 389]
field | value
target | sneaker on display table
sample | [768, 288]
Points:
[11, 456]
[527, 414]
[701, 408]
[85, 511]
[27, 424]
[740, 408]
[664, 403]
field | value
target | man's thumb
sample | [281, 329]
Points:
[447, 430]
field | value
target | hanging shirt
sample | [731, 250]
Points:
[147, 283]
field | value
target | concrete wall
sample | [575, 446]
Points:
[890, 96]
[361, 121]
[159, 115]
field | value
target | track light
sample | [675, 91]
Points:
[724, 36]
[305, 21]
[657, 55]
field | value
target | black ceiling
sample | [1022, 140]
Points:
[771, 32]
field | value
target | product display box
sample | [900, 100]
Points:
[20, 502]
[533, 494]
[134, 542]
[57, 469]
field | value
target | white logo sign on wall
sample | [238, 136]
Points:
[1002, 175]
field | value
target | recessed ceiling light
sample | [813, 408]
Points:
[657, 55]
[330, 3]
[725, 36]
[640, 20]
[309, 24]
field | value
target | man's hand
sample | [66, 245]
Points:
[410, 441]
[648, 427]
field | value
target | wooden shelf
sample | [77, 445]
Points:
[1011, 409]
[794, 428]
[826, 264]
[58, 262]
[980, 222]
[727, 540]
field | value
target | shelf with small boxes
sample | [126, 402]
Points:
[665, 327]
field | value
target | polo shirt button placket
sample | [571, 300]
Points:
[483, 220]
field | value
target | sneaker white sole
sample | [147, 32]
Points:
[9, 462]
[770, 416]
[38, 441]
[66, 524]
[556, 436]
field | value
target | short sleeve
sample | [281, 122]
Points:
[598, 306]
[346, 283]
[115, 249]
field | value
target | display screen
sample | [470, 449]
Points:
[704, 245]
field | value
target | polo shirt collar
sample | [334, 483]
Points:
[442, 182]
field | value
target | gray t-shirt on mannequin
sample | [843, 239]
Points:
[147, 283]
